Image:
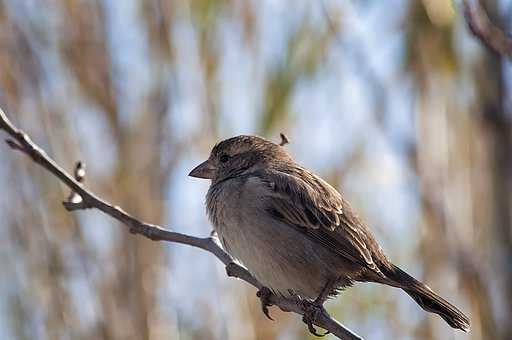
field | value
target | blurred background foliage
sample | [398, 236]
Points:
[393, 102]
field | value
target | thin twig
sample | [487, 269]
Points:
[488, 33]
[24, 144]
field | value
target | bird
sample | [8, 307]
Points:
[295, 233]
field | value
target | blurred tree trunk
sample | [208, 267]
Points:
[497, 124]
[497, 128]
[464, 163]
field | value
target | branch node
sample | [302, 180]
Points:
[13, 145]
[150, 231]
[79, 171]
[75, 201]
[76, 205]
[232, 269]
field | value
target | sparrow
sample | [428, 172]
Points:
[294, 232]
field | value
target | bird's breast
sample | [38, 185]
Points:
[280, 258]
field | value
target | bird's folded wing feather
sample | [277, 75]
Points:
[309, 204]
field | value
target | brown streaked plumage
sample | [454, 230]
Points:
[293, 231]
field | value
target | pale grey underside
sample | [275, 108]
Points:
[280, 257]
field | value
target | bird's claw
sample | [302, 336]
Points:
[264, 294]
[311, 313]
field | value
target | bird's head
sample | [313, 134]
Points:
[240, 154]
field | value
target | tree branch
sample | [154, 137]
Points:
[489, 34]
[21, 142]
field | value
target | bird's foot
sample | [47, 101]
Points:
[264, 294]
[312, 310]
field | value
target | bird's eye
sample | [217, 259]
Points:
[224, 158]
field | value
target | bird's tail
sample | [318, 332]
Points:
[427, 299]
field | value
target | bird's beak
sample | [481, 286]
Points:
[203, 170]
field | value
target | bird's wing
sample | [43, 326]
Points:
[306, 202]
